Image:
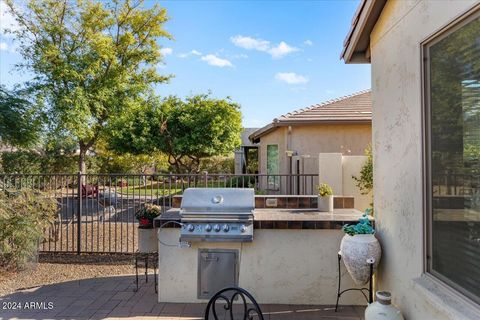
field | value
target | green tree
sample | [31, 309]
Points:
[92, 60]
[185, 130]
[21, 161]
[21, 120]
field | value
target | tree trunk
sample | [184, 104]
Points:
[82, 167]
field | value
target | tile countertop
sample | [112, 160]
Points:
[306, 215]
[288, 218]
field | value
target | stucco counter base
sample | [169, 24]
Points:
[285, 263]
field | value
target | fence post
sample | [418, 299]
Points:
[206, 178]
[79, 210]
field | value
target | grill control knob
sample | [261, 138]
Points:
[243, 229]
[208, 228]
[226, 227]
[191, 227]
[216, 228]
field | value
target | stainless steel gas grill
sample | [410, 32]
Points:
[217, 214]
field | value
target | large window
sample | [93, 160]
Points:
[452, 96]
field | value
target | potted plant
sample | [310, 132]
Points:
[325, 198]
[146, 234]
[359, 245]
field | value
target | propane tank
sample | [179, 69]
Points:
[382, 308]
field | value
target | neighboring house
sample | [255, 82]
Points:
[244, 154]
[291, 143]
[425, 58]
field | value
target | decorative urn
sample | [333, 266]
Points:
[355, 251]
[382, 308]
[359, 248]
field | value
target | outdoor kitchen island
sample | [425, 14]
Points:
[292, 259]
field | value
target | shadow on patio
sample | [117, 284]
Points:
[113, 297]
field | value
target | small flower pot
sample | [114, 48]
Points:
[325, 204]
[147, 241]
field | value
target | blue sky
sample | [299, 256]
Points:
[272, 57]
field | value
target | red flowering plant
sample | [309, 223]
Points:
[146, 215]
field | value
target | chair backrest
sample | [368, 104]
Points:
[226, 297]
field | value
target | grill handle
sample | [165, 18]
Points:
[207, 258]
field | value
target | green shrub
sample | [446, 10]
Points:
[217, 164]
[24, 215]
[21, 162]
[241, 182]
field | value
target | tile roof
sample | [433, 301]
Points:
[354, 108]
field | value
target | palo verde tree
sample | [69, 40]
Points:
[91, 60]
[185, 130]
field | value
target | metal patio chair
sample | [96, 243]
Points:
[226, 297]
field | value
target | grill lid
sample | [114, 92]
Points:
[218, 201]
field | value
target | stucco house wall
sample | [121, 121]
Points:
[395, 46]
[351, 139]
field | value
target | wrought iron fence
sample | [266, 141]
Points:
[96, 212]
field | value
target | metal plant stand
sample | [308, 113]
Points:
[145, 256]
[370, 263]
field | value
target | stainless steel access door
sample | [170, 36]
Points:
[217, 269]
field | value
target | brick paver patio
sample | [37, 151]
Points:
[113, 298]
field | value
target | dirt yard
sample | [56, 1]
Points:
[60, 268]
[95, 237]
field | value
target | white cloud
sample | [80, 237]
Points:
[213, 60]
[250, 43]
[12, 48]
[281, 50]
[166, 51]
[291, 78]
[308, 42]
[191, 53]
[239, 56]
[7, 20]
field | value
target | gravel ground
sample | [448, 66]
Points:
[60, 268]
[96, 237]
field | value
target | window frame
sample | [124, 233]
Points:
[459, 22]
